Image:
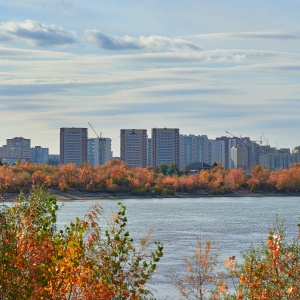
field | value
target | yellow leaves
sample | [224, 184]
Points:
[243, 279]
[70, 250]
[293, 290]
[230, 263]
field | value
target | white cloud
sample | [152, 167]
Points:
[278, 35]
[152, 43]
[36, 33]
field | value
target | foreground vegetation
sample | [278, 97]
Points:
[84, 261]
[270, 271]
[116, 177]
[39, 261]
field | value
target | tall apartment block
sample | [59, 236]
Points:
[199, 149]
[99, 151]
[39, 155]
[149, 152]
[73, 145]
[134, 147]
[217, 151]
[229, 143]
[165, 146]
[253, 154]
[15, 148]
[240, 157]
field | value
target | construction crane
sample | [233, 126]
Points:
[241, 140]
[230, 133]
[99, 142]
[266, 141]
[95, 131]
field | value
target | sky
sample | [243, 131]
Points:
[203, 66]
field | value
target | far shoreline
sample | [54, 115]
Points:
[73, 195]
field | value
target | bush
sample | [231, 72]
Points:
[269, 271]
[79, 262]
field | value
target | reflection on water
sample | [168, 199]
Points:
[233, 223]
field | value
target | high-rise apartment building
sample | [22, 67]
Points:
[165, 146]
[199, 149]
[39, 155]
[73, 145]
[240, 157]
[134, 147]
[229, 143]
[17, 148]
[253, 154]
[99, 151]
[217, 151]
[149, 152]
[187, 150]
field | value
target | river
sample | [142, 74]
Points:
[233, 223]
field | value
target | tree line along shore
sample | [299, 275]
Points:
[116, 180]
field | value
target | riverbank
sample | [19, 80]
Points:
[83, 195]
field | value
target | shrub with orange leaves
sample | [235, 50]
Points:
[270, 271]
[80, 262]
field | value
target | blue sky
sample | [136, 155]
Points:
[201, 66]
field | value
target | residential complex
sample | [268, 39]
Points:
[73, 145]
[165, 145]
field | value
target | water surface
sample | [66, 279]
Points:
[233, 223]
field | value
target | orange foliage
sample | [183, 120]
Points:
[115, 176]
[235, 178]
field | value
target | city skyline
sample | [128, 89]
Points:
[262, 141]
[203, 67]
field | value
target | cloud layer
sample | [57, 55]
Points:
[265, 35]
[36, 33]
[151, 43]
[43, 35]
[245, 82]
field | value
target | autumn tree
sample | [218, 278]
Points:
[259, 179]
[235, 179]
[201, 275]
